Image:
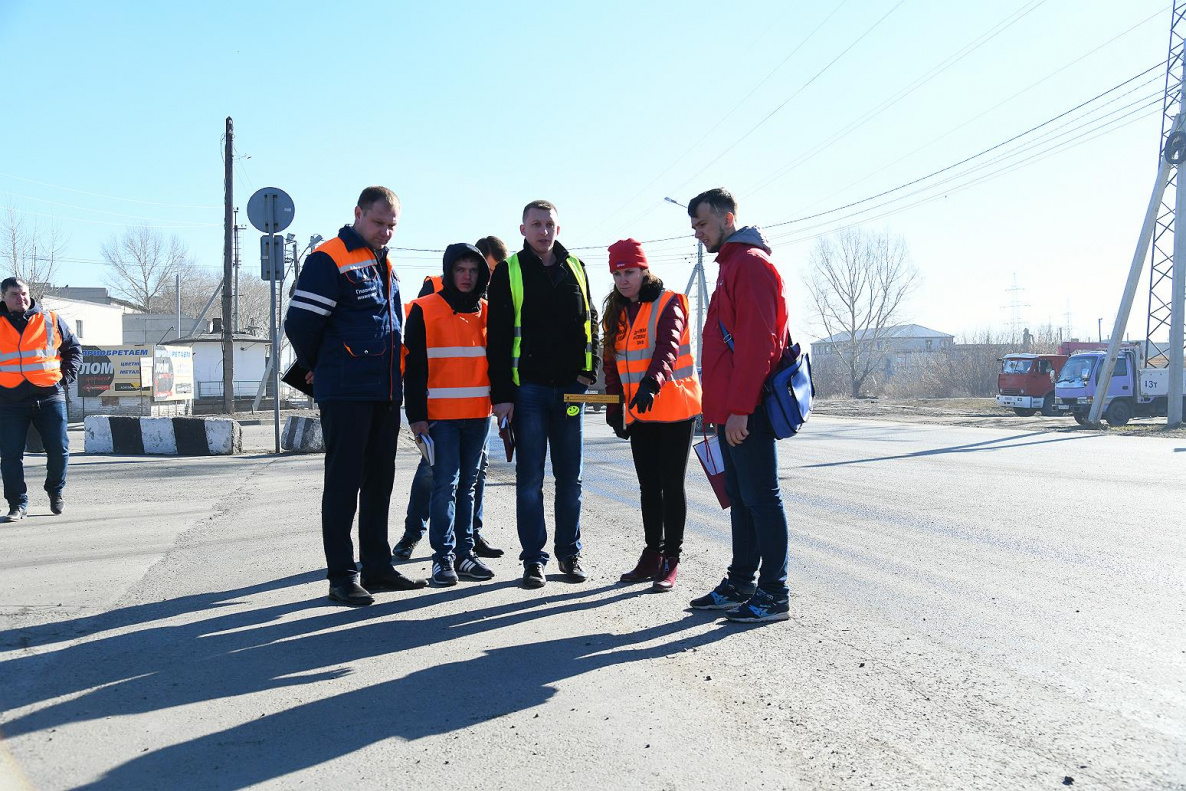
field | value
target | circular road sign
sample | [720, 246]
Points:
[270, 210]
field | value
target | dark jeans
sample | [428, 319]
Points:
[660, 453]
[758, 520]
[541, 421]
[419, 499]
[359, 471]
[49, 416]
[457, 446]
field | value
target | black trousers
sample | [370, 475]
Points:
[360, 438]
[660, 453]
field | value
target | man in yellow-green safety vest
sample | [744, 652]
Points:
[542, 342]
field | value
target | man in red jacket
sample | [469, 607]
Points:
[744, 335]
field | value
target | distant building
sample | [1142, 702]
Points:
[903, 346]
[97, 294]
[159, 327]
[251, 355]
[94, 323]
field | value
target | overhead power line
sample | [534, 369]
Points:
[109, 197]
[720, 120]
[787, 101]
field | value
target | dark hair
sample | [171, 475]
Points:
[11, 282]
[492, 246]
[538, 204]
[372, 195]
[719, 199]
[613, 313]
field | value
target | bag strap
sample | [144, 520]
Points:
[728, 336]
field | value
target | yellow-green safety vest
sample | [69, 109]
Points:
[515, 274]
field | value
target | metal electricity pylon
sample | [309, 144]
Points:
[1167, 268]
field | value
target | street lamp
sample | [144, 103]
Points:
[697, 280]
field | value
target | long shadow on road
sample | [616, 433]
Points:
[237, 653]
[1000, 443]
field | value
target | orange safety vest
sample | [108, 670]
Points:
[438, 282]
[458, 376]
[33, 354]
[679, 397]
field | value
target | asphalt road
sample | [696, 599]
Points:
[971, 608]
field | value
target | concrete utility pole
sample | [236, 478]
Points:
[228, 222]
[697, 282]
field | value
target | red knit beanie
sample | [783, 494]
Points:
[625, 254]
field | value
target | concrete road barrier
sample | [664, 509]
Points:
[302, 435]
[163, 436]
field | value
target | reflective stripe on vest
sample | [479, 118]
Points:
[32, 355]
[360, 258]
[515, 275]
[679, 397]
[458, 376]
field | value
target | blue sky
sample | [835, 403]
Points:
[114, 114]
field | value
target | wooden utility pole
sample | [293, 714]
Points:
[228, 224]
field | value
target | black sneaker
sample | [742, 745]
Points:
[571, 568]
[403, 549]
[723, 597]
[761, 607]
[443, 575]
[483, 549]
[57, 503]
[533, 576]
[351, 593]
[392, 580]
[15, 514]
[473, 569]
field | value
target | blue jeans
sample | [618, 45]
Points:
[49, 416]
[416, 522]
[757, 516]
[458, 448]
[541, 420]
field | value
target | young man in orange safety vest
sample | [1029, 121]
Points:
[38, 353]
[447, 398]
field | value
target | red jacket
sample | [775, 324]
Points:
[750, 299]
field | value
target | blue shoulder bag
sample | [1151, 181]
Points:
[788, 391]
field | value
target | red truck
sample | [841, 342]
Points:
[1026, 382]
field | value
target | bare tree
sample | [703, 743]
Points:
[142, 264]
[859, 282]
[30, 250]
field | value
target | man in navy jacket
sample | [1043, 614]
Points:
[344, 322]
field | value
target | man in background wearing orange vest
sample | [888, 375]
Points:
[37, 352]
[447, 398]
[416, 522]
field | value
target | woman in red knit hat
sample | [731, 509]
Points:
[648, 361]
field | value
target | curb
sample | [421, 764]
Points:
[302, 435]
[162, 436]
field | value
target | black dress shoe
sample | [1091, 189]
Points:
[350, 592]
[57, 503]
[15, 514]
[571, 566]
[392, 581]
[483, 549]
[533, 576]
[403, 549]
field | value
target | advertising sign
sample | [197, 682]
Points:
[111, 370]
[172, 373]
[164, 373]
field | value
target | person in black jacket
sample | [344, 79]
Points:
[344, 321]
[543, 343]
[33, 365]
